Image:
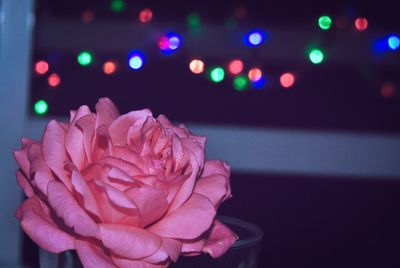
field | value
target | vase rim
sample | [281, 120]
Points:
[256, 231]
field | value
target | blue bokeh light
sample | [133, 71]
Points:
[393, 42]
[259, 84]
[255, 38]
[135, 60]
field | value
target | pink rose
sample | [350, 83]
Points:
[122, 190]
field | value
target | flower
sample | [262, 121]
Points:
[125, 190]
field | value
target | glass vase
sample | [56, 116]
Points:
[243, 253]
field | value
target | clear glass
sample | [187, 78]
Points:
[243, 253]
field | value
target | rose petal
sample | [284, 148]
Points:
[213, 187]
[170, 248]
[151, 202]
[24, 184]
[92, 255]
[75, 146]
[119, 128]
[107, 112]
[37, 163]
[189, 221]
[81, 112]
[129, 241]
[39, 226]
[21, 155]
[54, 153]
[220, 240]
[82, 188]
[129, 168]
[87, 124]
[125, 263]
[67, 208]
[116, 196]
[214, 167]
[41, 181]
[193, 247]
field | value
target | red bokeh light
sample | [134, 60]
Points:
[109, 67]
[361, 24]
[255, 74]
[41, 67]
[287, 80]
[145, 15]
[235, 66]
[54, 80]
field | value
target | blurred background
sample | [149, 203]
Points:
[302, 99]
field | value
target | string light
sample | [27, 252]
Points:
[240, 82]
[235, 66]
[287, 80]
[54, 80]
[109, 67]
[135, 60]
[40, 107]
[361, 24]
[169, 43]
[254, 38]
[146, 15]
[324, 22]
[217, 74]
[196, 66]
[85, 58]
[254, 74]
[316, 56]
[41, 67]
[393, 42]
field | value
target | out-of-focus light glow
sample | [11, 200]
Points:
[230, 23]
[388, 90]
[324, 22]
[85, 58]
[254, 74]
[316, 56]
[240, 12]
[169, 42]
[393, 42]
[87, 16]
[135, 60]
[41, 67]
[193, 20]
[109, 67]
[54, 80]
[240, 82]
[235, 66]
[145, 15]
[259, 84]
[117, 5]
[361, 24]
[196, 66]
[255, 38]
[287, 80]
[217, 74]
[40, 107]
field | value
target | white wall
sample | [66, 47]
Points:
[15, 39]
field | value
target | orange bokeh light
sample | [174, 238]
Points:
[54, 80]
[145, 15]
[235, 66]
[287, 80]
[41, 67]
[109, 67]
[361, 24]
[196, 66]
[254, 74]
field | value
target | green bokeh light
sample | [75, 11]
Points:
[316, 56]
[217, 74]
[325, 22]
[85, 58]
[193, 20]
[41, 107]
[117, 5]
[240, 82]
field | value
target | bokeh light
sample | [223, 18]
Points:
[135, 60]
[169, 42]
[361, 24]
[316, 56]
[254, 74]
[41, 67]
[254, 38]
[287, 80]
[146, 15]
[240, 82]
[54, 80]
[117, 5]
[85, 58]
[240, 12]
[193, 20]
[393, 42]
[259, 84]
[109, 67]
[388, 90]
[40, 107]
[87, 16]
[196, 66]
[235, 66]
[324, 22]
[217, 74]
